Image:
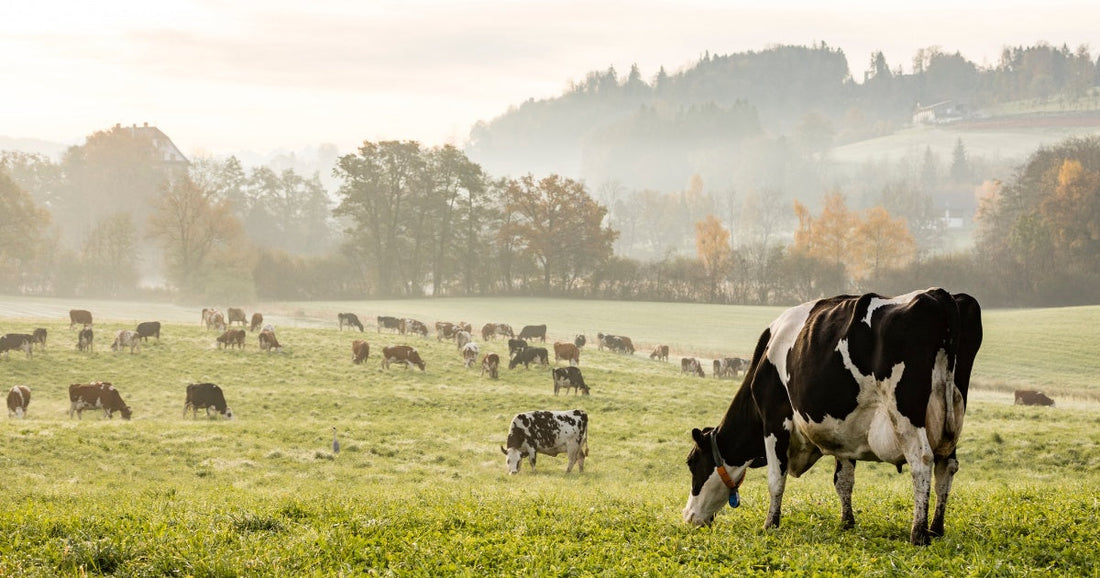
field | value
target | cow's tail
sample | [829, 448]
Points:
[951, 349]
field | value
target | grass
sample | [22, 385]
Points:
[420, 486]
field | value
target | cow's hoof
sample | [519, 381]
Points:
[920, 537]
[847, 523]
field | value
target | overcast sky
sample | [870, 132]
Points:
[222, 76]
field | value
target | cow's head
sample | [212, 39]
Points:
[414, 358]
[709, 492]
[228, 412]
[514, 458]
[125, 412]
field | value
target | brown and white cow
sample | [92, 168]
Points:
[550, 433]
[19, 397]
[13, 341]
[232, 337]
[126, 338]
[360, 351]
[660, 353]
[207, 315]
[1032, 397]
[568, 352]
[79, 317]
[236, 315]
[84, 340]
[96, 395]
[257, 321]
[491, 364]
[268, 342]
[729, 366]
[462, 338]
[469, 354]
[414, 326]
[402, 354]
[445, 330]
[205, 396]
[692, 366]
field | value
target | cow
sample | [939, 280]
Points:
[148, 329]
[515, 345]
[84, 340]
[528, 355]
[691, 366]
[268, 342]
[488, 331]
[12, 341]
[414, 326]
[1032, 397]
[79, 317]
[349, 319]
[469, 354]
[445, 330]
[533, 332]
[856, 377]
[39, 337]
[505, 330]
[626, 345]
[401, 354]
[568, 352]
[580, 341]
[615, 343]
[257, 321]
[360, 351]
[125, 338]
[568, 377]
[729, 366]
[550, 433]
[463, 326]
[491, 364]
[217, 321]
[205, 396]
[232, 337]
[97, 395]
[19, 397]
[208, 317]
[462, 338]
[660, 353]
[236, 315]
[388, 322]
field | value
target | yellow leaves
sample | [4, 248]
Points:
[712, 243]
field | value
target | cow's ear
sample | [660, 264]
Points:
[697, 435]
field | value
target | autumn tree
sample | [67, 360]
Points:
[110, 256]
[881, 242]
[22, 228]
[712, 244]
[560, 226]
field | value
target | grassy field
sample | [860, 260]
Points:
[420, 486]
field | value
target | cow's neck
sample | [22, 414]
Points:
[739, 435]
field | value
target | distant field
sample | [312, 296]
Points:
[419, 487]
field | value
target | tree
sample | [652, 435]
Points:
[712, 243]
[110, 256]
[960, 165]
[22, 230]
[560, 226]
[456, 186]
[882, 242]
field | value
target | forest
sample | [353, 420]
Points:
[713, 184]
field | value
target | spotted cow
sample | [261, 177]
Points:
[530, 355]
[729, 366]
[97, 395]
[360, 351]
[84, 339]
[268, 341]
[15, 341]
[19, 397]
[550, 433]
[856, 377]
[349, 319]
[469, 354]
[660, 353]
[490, 364]
[39, 337]
[691, 366]
[125, 338]
[569, 377]
[401, 354]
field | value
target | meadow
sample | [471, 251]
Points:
[420, 486]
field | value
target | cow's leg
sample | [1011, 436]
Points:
[844, 479]
[945, 475]
[918, 453]
[532, 461]
[776, 445]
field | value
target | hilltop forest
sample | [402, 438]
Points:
[710, 184]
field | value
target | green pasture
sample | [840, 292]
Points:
[420, 486]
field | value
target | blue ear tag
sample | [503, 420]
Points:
[735, 499]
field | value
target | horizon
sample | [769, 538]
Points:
[263, 78]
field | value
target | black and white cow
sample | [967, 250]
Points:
[515, 345]
[530, 355]
[550, 433]
[855, 377]
[16, 341]
[568, 377]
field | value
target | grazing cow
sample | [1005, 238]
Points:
[126, 338]
[729, 366]
[505, 330]
[627, 346]
[515, 345]
[389, 323]
[217, 321]
[232, 337]
[462, 338]
[550, 433]
[360, 351]
[569, 377]
[13, 341]
[660, 353]
[491, 364]
[463, 326]
[96, 395]
[39, 336]
[414, 326]
[856, 377]
[236, 315]
[533, 332]
[469, 354]
[401, 354]
[205, 396]
[268, 342]
[616, 343]
[568, 352]
[257, 321]
[19, 397]
[692, 366]
[1032, 397]
[148, 329]
[84, 340]
[445, 330]
[528, 355]
[488, 331]
[79, 317]
[349, 319]
[208, 317]
[580, 341]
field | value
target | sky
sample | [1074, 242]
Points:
[225, 76]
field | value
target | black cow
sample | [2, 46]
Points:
[389, 323]
[84, 340]
[533, 332]
[349, 319]
[39, 336]
[148, 329]
[569, 377]
[205, 396]
[580, 341]
[12, 341]
[515, 345]
[528, 355]
[855, 377]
